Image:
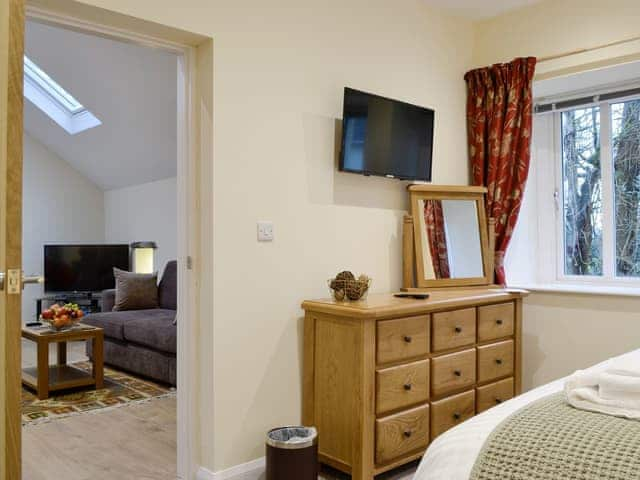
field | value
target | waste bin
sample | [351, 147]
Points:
[292, 453]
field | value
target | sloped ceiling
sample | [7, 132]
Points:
[480, 9]
[133, 92]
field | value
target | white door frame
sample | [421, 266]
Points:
[188, 222]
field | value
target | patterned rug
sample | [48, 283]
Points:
[121, 389]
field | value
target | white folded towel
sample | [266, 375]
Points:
[613, 390]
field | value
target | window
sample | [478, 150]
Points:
[46, 94]
[592, 153]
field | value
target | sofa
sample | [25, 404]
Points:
[142, 342]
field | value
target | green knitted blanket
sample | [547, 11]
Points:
[551, 440]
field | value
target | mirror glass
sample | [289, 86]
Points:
[451, 239]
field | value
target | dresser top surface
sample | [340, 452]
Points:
[382, 305]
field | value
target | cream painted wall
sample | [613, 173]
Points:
[60, 205]
[558, 26]
[279, 70]
[145, 212]
[564, 332]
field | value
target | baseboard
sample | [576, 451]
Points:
[246, 471]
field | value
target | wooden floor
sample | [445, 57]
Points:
[130, 443]
[403, 473]
[136, 442]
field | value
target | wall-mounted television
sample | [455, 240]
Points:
[386, 137]
[82, 268]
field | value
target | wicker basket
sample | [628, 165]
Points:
[353, 291]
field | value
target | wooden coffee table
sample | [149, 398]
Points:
[45, 378]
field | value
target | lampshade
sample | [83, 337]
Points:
[143, 257]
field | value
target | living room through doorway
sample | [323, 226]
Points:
[100, 192]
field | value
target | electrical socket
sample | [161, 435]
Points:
[265, 231]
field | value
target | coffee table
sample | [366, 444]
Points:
[45, 378]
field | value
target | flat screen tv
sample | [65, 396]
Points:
[386, 137]
[82, 268]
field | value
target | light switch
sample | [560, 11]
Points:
[265, 231]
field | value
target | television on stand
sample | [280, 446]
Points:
[82, 270]
[386, 137]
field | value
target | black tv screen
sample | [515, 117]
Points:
[386, 137]
[82, 268]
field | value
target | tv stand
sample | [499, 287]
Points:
[89, 302]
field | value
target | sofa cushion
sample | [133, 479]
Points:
[167, 290]
[152, 328]
[111, 322]
[135, 291]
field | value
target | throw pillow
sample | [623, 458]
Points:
[135, 291]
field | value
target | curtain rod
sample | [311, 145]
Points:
[585, 50]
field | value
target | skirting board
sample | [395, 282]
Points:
[253, 470]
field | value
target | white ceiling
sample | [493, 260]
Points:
[133, 92]
[480, 9]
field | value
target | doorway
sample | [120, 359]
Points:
[189, 152]
[99, 191]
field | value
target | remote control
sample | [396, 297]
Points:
[417, 296]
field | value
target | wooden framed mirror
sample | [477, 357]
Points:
[450, 244]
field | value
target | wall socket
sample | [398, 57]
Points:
[265, 231]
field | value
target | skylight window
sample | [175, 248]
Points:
[62, 107]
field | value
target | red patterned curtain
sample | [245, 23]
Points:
[499, 109]
[436, 236]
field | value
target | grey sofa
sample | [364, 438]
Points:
[141, 341]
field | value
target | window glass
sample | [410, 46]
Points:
[625, 133]
[582, 191]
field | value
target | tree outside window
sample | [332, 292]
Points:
[584, 227]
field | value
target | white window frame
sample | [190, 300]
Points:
[67, 101]
[53, 100]
[554, 271]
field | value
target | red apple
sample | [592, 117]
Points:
[47, 314]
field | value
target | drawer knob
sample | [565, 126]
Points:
[498, 401]
[407, 433]
[456, 416]
[457, 373]
[407, 386]
[407, 339]
[499, 321]
[499, 361]
[458, 329]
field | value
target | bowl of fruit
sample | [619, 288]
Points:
[62, 317]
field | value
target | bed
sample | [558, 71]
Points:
[452, 455]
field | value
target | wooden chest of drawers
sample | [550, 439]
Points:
[385, 376]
